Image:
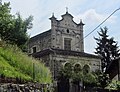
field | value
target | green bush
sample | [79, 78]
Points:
[114, 85]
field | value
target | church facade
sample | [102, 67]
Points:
[63, 44]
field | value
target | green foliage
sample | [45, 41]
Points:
[84, 75]
[87, 78]
[13, 28]
[114, 85]
[77, 76]
[107, 48]
[14, 63]
[6, 20]
[67, 70]
[93, 79]
[19, 32]
[103, 79]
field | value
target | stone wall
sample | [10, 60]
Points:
[8, 84]
[55, 37]
[29, 87]
[67, 28]
[40, 42]
[61, 60]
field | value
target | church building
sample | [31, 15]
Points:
[62, 44]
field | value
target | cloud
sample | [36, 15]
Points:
[91, 16]
[44, 11]
[91, 13]
[92, 19]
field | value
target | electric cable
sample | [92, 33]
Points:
[97, 26]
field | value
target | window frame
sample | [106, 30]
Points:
[34, 49]
[67, 43]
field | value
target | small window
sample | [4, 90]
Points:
[34, 49]
[86, 69]
[53, 38]
[68, 66]
[67, 30]
[77, 68]
[67, 44]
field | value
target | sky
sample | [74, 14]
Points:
[92, 13]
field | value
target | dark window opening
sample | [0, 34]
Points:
[86, 69]
[67, 30]
[68, 67]
[77, 68]
[34, 49]
[67, 44]
[53, 38]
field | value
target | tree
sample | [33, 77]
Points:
[103, 80]
[13, 29]
[106, 47]
[20, 36]
[6, 20]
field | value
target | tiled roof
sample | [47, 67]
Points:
[63, 52]
[41, 35]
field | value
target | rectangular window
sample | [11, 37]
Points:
[34, 49]
[67, 43]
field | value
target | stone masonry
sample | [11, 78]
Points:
[62, 44]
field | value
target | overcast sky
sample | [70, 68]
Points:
[92, 13]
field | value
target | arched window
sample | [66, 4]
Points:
[68, 66]
[77, 68]
[86, 69]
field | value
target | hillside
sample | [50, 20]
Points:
[16, 64]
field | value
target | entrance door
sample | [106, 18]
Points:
[63, 85]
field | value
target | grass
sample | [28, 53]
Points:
[14, 63]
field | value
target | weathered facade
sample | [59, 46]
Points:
[64, 34]
[62, 44]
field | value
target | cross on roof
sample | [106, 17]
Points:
[66, 9]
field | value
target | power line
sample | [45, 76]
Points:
[97, 26]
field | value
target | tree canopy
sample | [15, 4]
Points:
[13, 28]
[107, 48]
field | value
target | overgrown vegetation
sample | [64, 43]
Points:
[78, 75]
[13, 28]
[13, 62]
[114, 85]
[16, 64]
